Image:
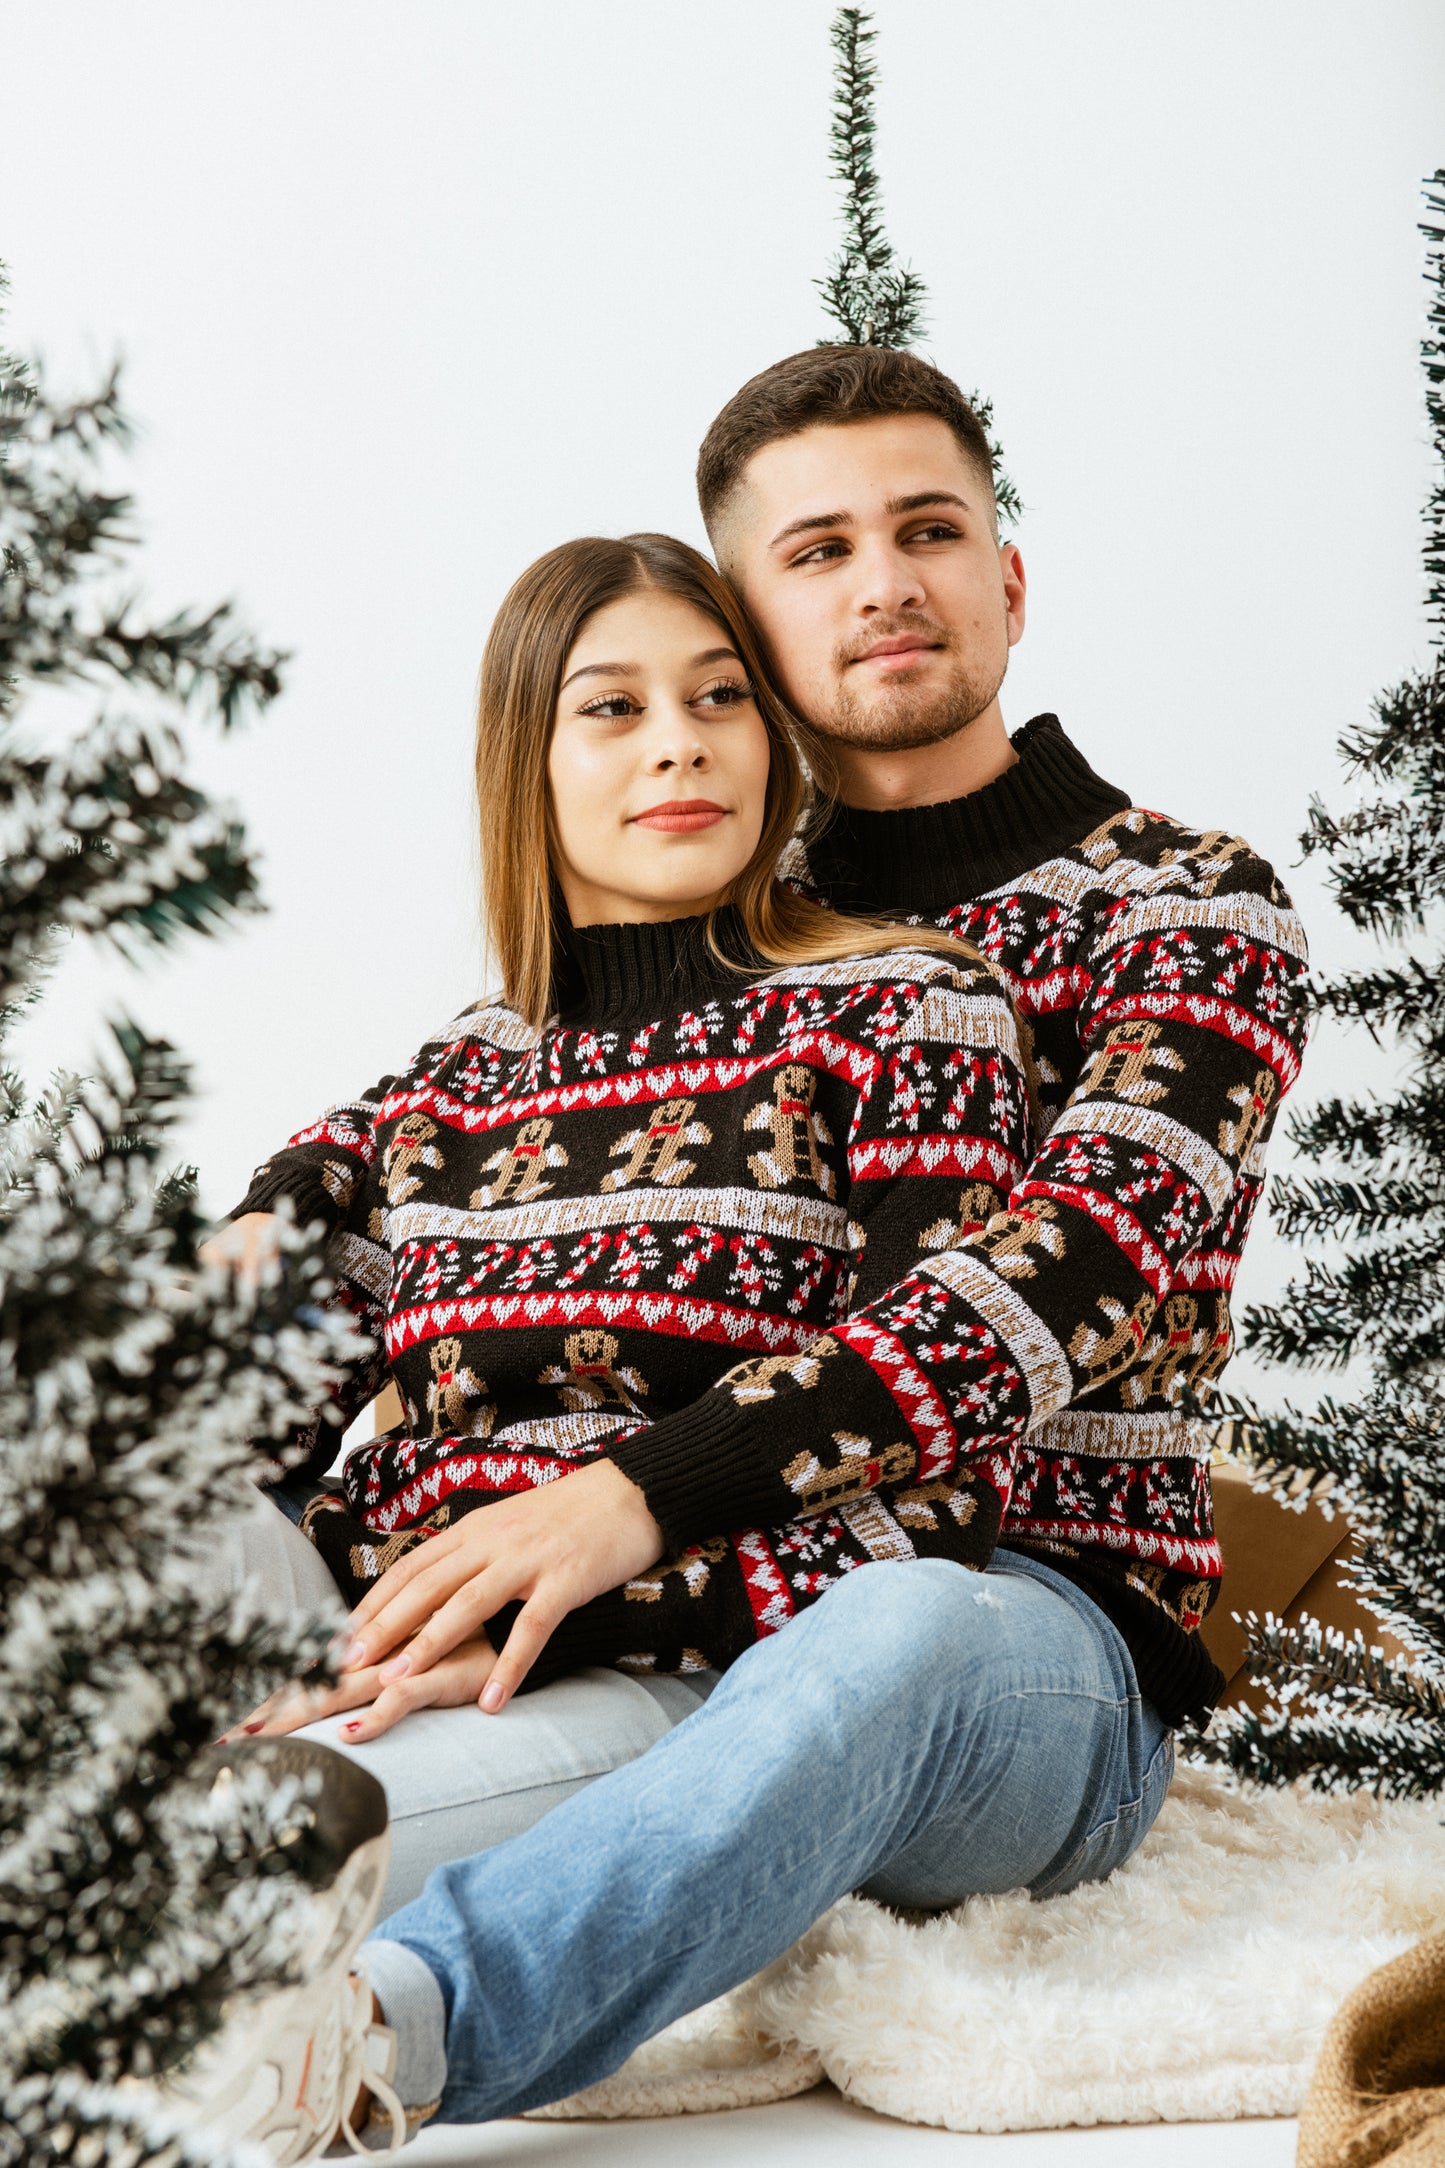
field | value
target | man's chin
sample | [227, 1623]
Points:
[896, 726]
[903, 718]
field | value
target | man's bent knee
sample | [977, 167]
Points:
[894, 1629]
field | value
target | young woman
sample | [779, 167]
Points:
[633, 1211]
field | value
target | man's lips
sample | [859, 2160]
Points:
[892, 655]
[681, 816]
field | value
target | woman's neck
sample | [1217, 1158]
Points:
[589, 904]
[616, 970]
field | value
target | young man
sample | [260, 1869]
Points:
[922, 1733]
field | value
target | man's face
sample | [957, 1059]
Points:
[868, 555]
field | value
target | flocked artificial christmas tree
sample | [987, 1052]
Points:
[873, 299]
[134, 1900]
[1377, 1208]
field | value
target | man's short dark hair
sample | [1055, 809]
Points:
[823, 385]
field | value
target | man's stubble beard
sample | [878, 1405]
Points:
[899, 718]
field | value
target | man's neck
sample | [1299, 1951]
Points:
[882, 782]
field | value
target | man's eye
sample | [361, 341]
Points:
[728, 694]
[822, 553]
[610, 704]
[939, 530]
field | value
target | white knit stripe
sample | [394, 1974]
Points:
[365, 1263]
[1033, 1347]
[946, 1016]
[900, 963]
[1249, 914]
[1057, 880]
[1183, 1148]
[1108, 1434]
[875, 1528]
[750, 1211]
[494, 1024]
[560, 1433]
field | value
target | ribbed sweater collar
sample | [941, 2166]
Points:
[610, 974]
[925, 858]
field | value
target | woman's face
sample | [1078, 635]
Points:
[658, 764]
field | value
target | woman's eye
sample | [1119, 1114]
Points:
[729, 694]
[610, 704]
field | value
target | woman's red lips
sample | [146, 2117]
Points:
[681, 816]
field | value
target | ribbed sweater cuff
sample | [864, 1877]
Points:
[699, 1469]
[310, 1198]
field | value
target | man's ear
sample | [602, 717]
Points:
[1015, 587]
[728, 531]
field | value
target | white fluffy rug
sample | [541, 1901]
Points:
[1195, 1985]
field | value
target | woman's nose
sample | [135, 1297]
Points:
[679, 746]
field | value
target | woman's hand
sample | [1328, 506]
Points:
[248, 1245]
[554, 1548]
[449, 1684]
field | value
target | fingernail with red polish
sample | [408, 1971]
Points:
[396, 1669]
[251, 1729]
[351, 1727]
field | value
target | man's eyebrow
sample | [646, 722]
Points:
[895, 506]
[634, 669]
[922, 499]
[810, 525]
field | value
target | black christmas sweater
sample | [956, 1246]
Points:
[558, 1240]
[1155, 969]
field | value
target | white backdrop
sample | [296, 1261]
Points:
[410, 292]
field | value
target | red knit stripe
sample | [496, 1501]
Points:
[481, 1471]
[338, 1133]
[844, 1058]
[1125, 1232]
[746, 1330]
[1056, 990]
[1208, 1269]
[1242, 1026]
[769, 1597]
[1156, 1548]
[885, 1158]
[918, 1400]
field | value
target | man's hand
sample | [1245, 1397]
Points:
[450, 1684]
[248, 1245]
[554, 1548]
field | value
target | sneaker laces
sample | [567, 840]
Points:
[360, 2033]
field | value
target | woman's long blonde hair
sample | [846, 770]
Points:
[535, 631]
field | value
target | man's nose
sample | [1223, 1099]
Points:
[886, 581]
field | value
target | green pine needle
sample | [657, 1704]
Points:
[872, 298]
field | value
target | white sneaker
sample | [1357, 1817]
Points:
[285, 2072]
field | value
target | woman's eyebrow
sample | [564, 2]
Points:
[603, 669]
[634, 669]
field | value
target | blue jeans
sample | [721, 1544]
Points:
[922, 1733]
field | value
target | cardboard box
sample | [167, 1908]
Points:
[1280, 1559]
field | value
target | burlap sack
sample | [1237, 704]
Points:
[1378, 2092]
